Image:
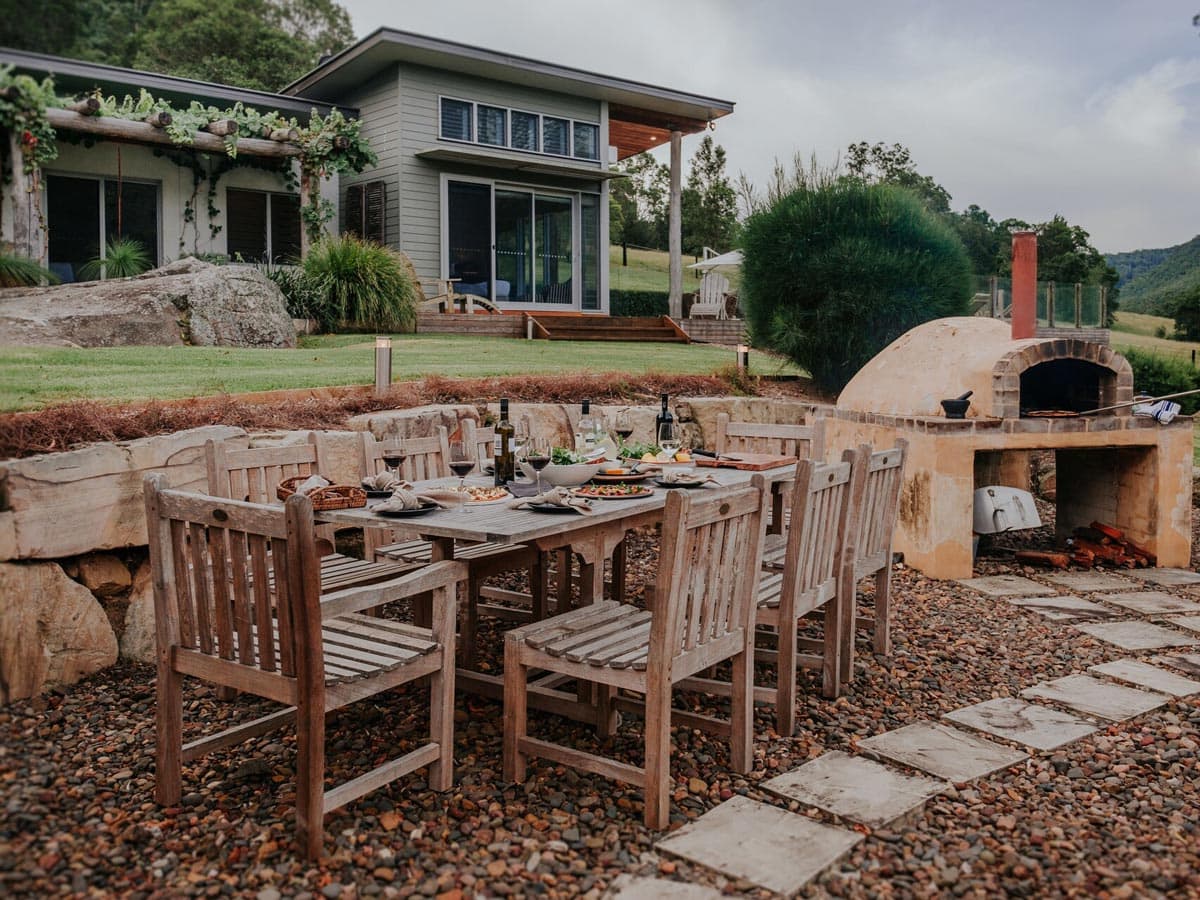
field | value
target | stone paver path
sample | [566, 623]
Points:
[1024, 723]
[1091, 581]
[1184, 662]
[1169, 577]
[1005, 586]
[1065, 608]
[1137, 635]
[1094, 697]
[628, 887]
[942, 751]
[1153, 602]
[1154, 678]
[1191, 623]
[856, 788]
[771, 847]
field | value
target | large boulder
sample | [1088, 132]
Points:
[186, 302]
[52, 631]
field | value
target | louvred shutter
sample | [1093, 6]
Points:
[374, 207]
[353, 223]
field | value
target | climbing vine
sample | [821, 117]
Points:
[23, 105]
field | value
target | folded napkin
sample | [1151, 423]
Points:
[404, 498]
[558, 496]
[675, 476]
[384, 481]
[312, 483]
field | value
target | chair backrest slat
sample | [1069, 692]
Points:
[482, 439]
[881, 505]
[426, 458]
[711, 548]
[780, 439]
[254, 474]
[260, 586]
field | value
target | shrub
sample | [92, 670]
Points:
[1158, 375]
[638, 303]
[834, 272]
[362, 284]
[304, 301]
[20, 271]
[123, 258]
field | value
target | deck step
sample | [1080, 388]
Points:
[605, 328]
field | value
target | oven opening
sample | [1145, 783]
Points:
[1064, 385]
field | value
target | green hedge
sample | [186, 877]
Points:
[1159, 375]
[638, 303]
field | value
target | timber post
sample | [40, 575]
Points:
[306, 189]
[26, 194]
[674, 229]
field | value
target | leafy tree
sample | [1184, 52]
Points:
[985, 239]
[879, 163]
[709, 204]
[641, 202]
[1185, 310]
[833, 274]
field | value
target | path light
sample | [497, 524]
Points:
[383, 364]
[743, 358]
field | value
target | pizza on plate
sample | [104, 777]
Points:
[613, 491]
[482, 493]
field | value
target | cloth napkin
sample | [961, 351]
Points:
[312, 483]
[675, 476]
[383, 481]
[558, 496]
[1163, 411]
[404, 498]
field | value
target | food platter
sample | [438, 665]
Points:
[613, 491]
[478, 495]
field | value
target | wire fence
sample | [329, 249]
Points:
[1059, 304]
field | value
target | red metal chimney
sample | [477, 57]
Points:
[1024, 284]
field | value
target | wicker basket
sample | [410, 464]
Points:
[334, 496]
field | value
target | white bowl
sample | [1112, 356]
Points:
[564, 476]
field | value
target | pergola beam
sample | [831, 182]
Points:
[145, 133]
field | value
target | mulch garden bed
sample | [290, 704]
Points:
[1109, 816]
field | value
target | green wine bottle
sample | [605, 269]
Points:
[505, 460]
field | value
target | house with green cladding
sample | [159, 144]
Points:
[493, 169]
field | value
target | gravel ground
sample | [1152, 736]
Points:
[1110, 816]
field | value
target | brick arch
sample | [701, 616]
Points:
[1115, 387]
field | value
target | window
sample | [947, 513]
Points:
[555, 136]
[525, 131]
[587, 141]
[364, 211]
[262, 227]
[85, 214]
[456, 119]
[493, 126]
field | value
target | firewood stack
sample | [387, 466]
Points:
[1097, 544]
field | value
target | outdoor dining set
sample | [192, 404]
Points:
[251, 597]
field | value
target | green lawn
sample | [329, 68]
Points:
[649, 270]
[34, 377]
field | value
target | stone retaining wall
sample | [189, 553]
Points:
[74, 578]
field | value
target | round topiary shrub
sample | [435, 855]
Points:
[361, 284]
[832, 275]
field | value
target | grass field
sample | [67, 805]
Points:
[35, 377]
[1141, 331]
[649, 270]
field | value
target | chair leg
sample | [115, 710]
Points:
[785, 682]
[741, 705]
[882, 639]
[441, 726]
[515, 712]
[606, 716]
[831, 666]
[846, 616]
[658, 756]
[538, 587]
[564, 581]
[619, 566]
[168, 745]
[310, 779]
[469, 624]
[225, 693]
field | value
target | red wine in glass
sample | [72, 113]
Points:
[394, 459]
[462, 467]
[624, 433]
[537, 461]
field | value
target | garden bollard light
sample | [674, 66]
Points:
[383, 365]
[743, 358]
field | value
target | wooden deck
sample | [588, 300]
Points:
[556, 326]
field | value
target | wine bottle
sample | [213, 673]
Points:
[505, 459]
[664, 416]
[585, 431]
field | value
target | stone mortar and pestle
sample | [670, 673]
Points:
[956, 408]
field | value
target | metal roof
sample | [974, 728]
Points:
[386, 46]
[78, 75]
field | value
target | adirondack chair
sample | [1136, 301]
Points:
[253, 475]
[710, 296]
[703, 614]
[429, 458]
[439, 294]
[216, 620]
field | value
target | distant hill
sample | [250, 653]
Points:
[1151, 279]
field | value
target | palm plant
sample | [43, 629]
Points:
[362, 284]
[21, 271]
[123, 257]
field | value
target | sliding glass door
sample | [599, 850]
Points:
[469, 207]
[514, 246]
[554, 249]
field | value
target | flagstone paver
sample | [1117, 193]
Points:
[856, 788]
[1065, 608]
[1169, 577]
[1137, 635]
[945, 752]
[1154, 602]
[1145, 675]
[773, 848]
[1005, 586]
[1095, 697]
[1191, 623]
[1183, 662]
[1024, 723]
[629, 887]
[1091, 581]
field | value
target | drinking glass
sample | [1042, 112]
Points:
[462, 463]
[394, 454]
[537, 454]
[624, 426]
[668, 437]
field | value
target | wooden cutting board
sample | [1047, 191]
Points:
[750, 462]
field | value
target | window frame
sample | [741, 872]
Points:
[508, 111]
[101, 180]
[270, 250]
[537, 137]
[575, 146]
[471, 126]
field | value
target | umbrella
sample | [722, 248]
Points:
[732, 258]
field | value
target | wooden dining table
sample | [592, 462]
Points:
[592, 538]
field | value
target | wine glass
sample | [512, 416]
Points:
[537, 454]
[668, 438]
[394, 454]
[462, 463]
[624, 426]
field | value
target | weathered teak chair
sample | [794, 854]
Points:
[429, 458]
[216, 620]
[710, 296]
[873, 546]
[779, 439]
[703, 613]
[253, 475]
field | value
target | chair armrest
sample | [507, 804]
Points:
[427, 578]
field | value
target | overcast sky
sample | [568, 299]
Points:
[1088, 108]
